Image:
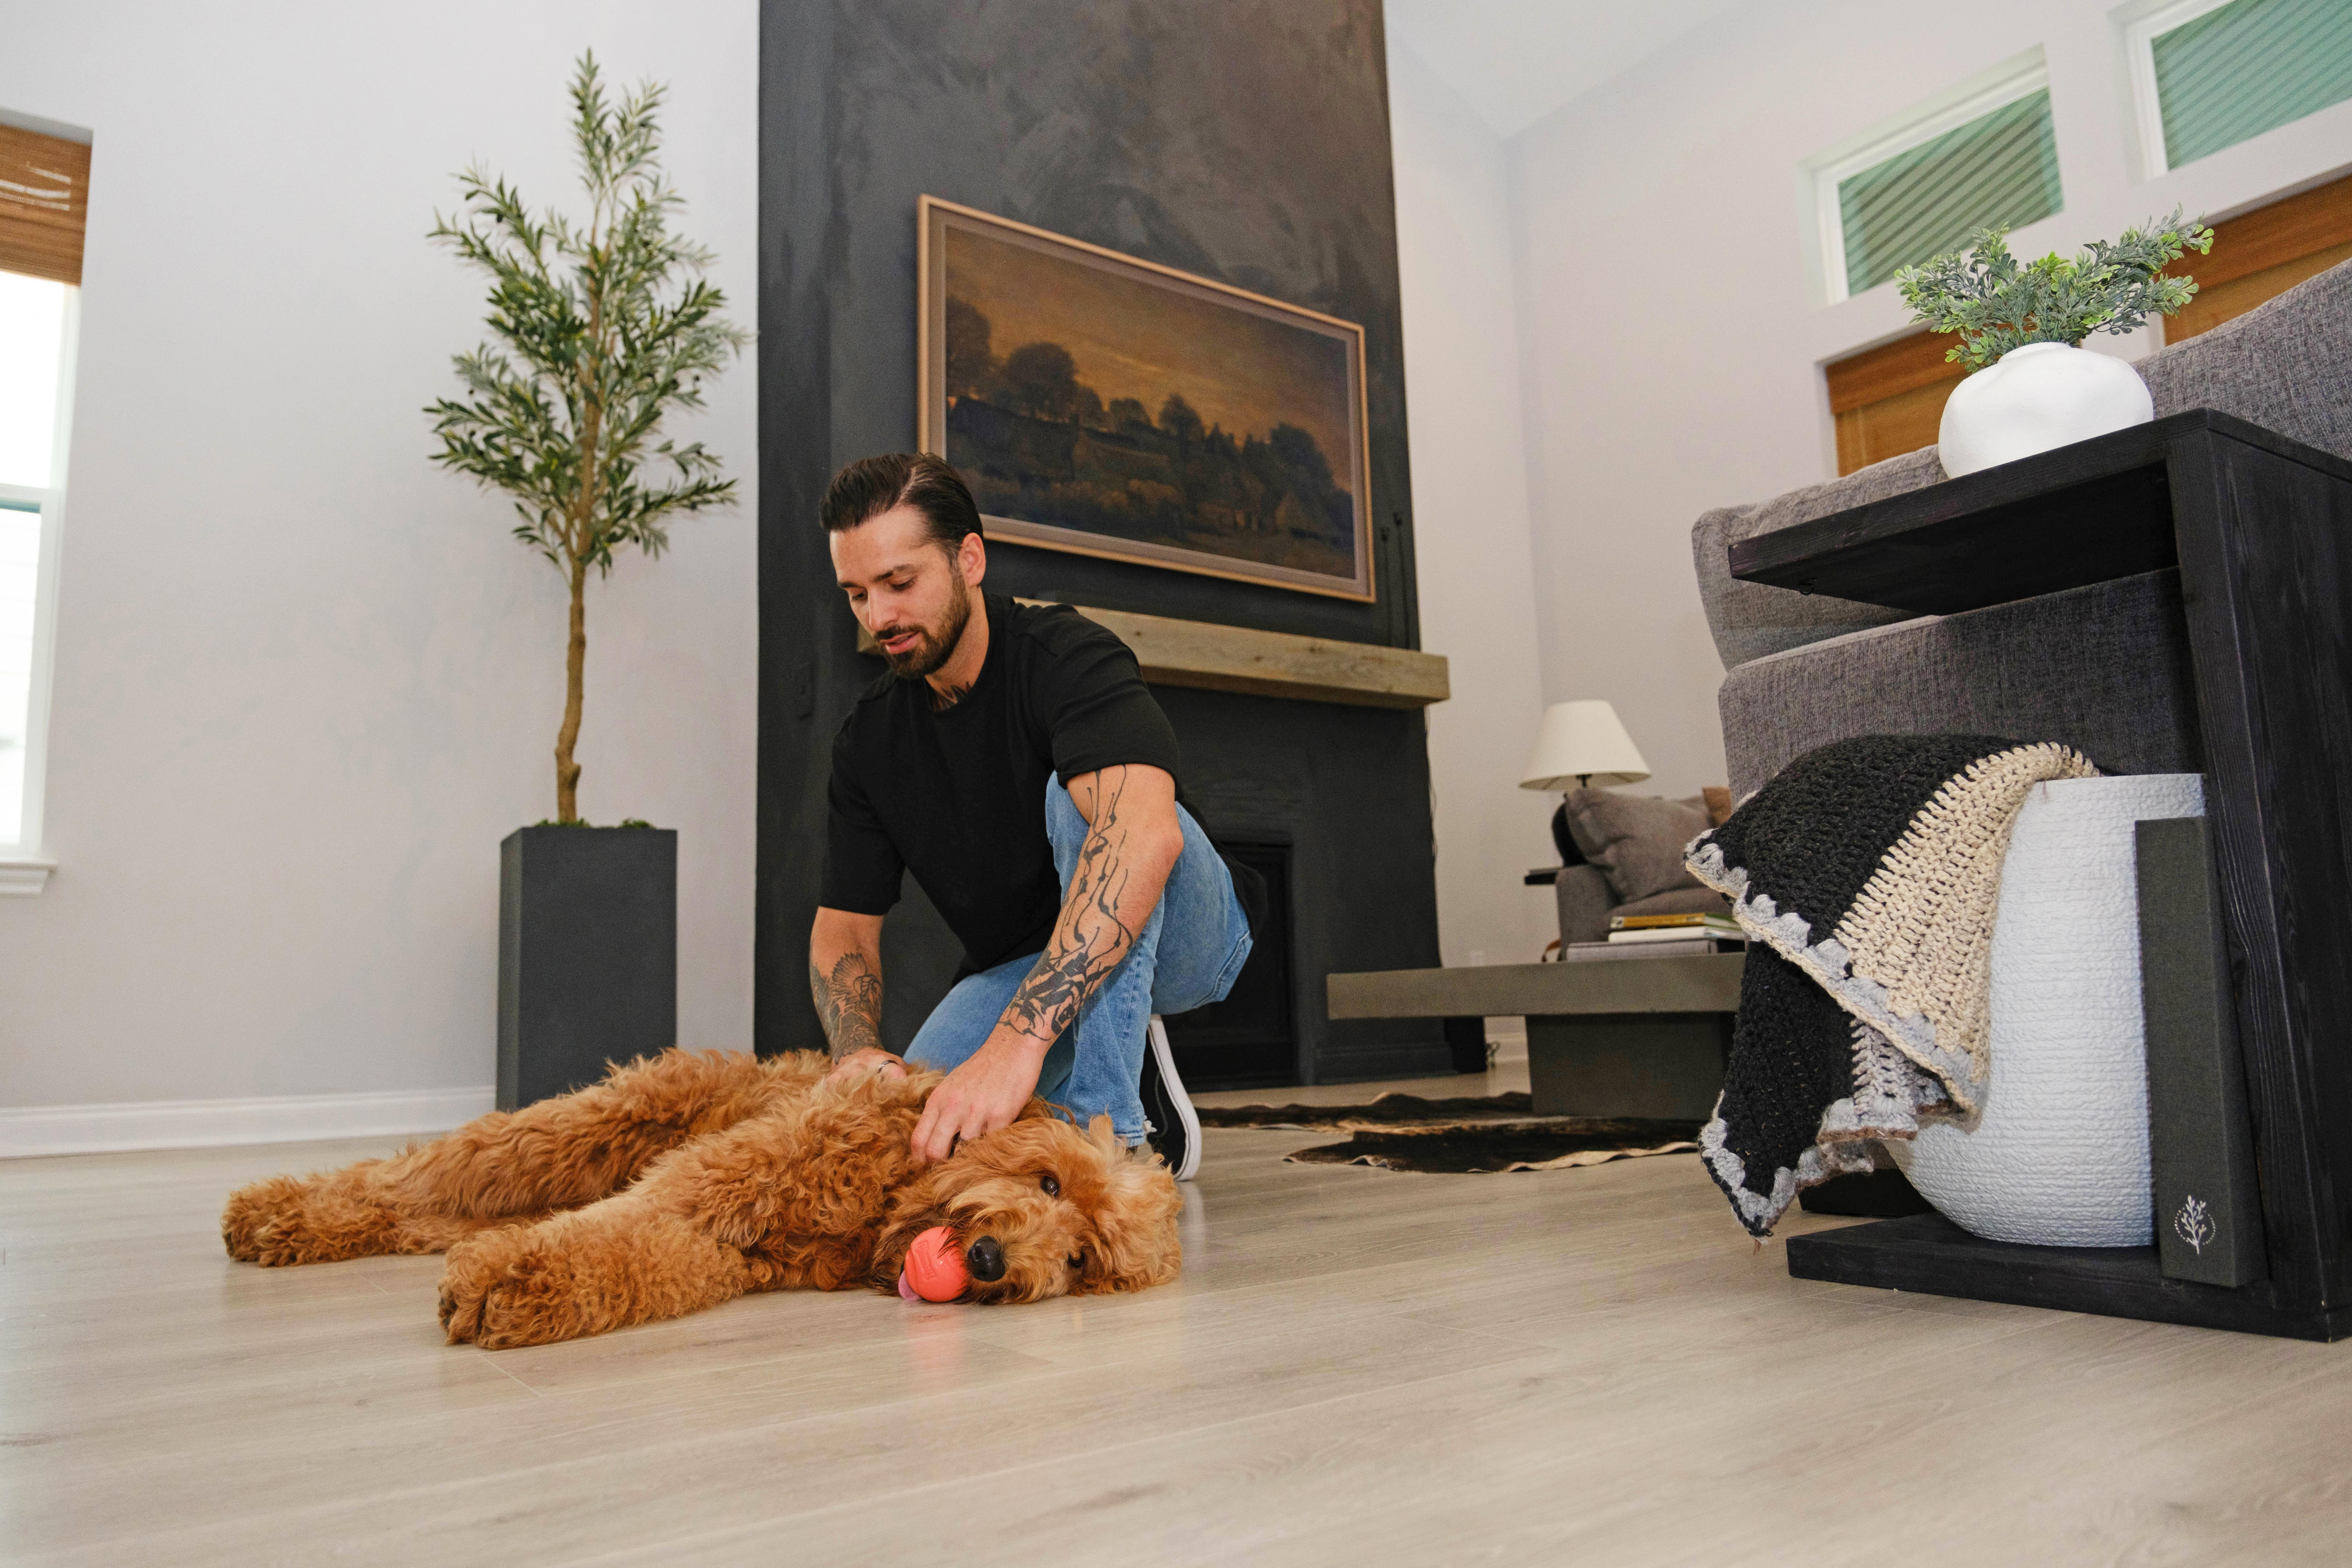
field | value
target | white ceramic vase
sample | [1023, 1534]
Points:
[2059, 1155]
[2036, 397]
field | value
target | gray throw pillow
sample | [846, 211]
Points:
[1636, 840]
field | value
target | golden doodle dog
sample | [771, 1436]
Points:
[684, 1180]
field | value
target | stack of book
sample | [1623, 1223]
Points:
[1672, 928]
[1661, 936]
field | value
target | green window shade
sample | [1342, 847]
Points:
[2248, 67]
[1999, 170]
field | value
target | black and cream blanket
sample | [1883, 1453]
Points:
[1867, 876]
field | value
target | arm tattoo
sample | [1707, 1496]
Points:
[1089, 940]
[849, 1003]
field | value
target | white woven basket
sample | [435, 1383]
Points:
[2059, 1156]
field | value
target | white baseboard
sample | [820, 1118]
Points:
[209, 1123]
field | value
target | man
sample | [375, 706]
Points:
[1013, 759]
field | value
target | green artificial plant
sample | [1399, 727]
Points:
[1997, 305]
[601, 328]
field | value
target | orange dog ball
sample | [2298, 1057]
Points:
[935, 1266]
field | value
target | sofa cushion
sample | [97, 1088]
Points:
[2286, 364]
[1750, 620]
[1636, 840]
[2103, 669]
[1585, 903]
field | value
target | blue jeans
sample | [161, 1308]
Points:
[1191, 949]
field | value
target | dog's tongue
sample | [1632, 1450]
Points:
[935, 1270]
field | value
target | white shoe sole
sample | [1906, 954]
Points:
[1157, 1033]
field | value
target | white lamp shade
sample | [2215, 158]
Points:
[1582, 743]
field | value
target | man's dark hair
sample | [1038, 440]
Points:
[872, 486]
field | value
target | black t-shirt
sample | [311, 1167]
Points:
[957, 796]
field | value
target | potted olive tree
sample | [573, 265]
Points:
[2032, 384]
[600, 327]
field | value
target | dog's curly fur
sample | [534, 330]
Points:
[685, 1180]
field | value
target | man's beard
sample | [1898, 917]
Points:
[933, 646]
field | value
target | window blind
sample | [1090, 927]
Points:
[44, 197]
[1999, 170]
[2249, 67]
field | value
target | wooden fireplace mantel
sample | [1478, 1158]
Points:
[1268, 664]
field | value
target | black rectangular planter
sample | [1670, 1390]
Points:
[587, 954]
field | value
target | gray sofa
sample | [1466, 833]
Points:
[2104, 669]
[1587, 903]
[1627, 858]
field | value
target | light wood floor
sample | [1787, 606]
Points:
[1588, 1366]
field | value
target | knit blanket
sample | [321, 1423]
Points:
[1867, 876]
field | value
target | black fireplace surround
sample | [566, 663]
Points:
[1246, 141]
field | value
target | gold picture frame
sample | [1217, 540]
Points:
[1106, 406]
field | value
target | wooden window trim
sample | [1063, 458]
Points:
[1883, 398]
[1891, 369]
[2288, 240]
[2286, 230]
[44, 204]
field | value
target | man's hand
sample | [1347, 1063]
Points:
[867, 1059]
[982, 1094]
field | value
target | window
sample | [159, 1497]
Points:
[2208, 74]
[44, 192]
[2260, 255]
[1982, 155]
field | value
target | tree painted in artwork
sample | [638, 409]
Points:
[1040, 380]
[971, 362]
[1178, 418]
[600, 330]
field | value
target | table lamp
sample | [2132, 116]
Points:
[1581, 744]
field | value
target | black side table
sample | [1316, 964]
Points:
[2260, 529]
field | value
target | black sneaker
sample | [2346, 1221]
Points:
[1169, 1122]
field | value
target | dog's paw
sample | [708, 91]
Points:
[286, 1220]
[507, 1288]
[466, 1280]
[252, 1210]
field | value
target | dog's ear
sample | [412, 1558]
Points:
[1135, 1224]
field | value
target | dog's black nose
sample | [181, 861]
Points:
[987, 1260]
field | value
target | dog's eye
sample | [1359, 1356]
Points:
[1078, 1261]
[1052, 1188]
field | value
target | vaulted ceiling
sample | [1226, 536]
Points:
[1516, 61]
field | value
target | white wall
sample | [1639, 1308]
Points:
[1672, 335]
[305, 682]
[1470, 514]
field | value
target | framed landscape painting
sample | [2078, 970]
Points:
[1109, 406]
